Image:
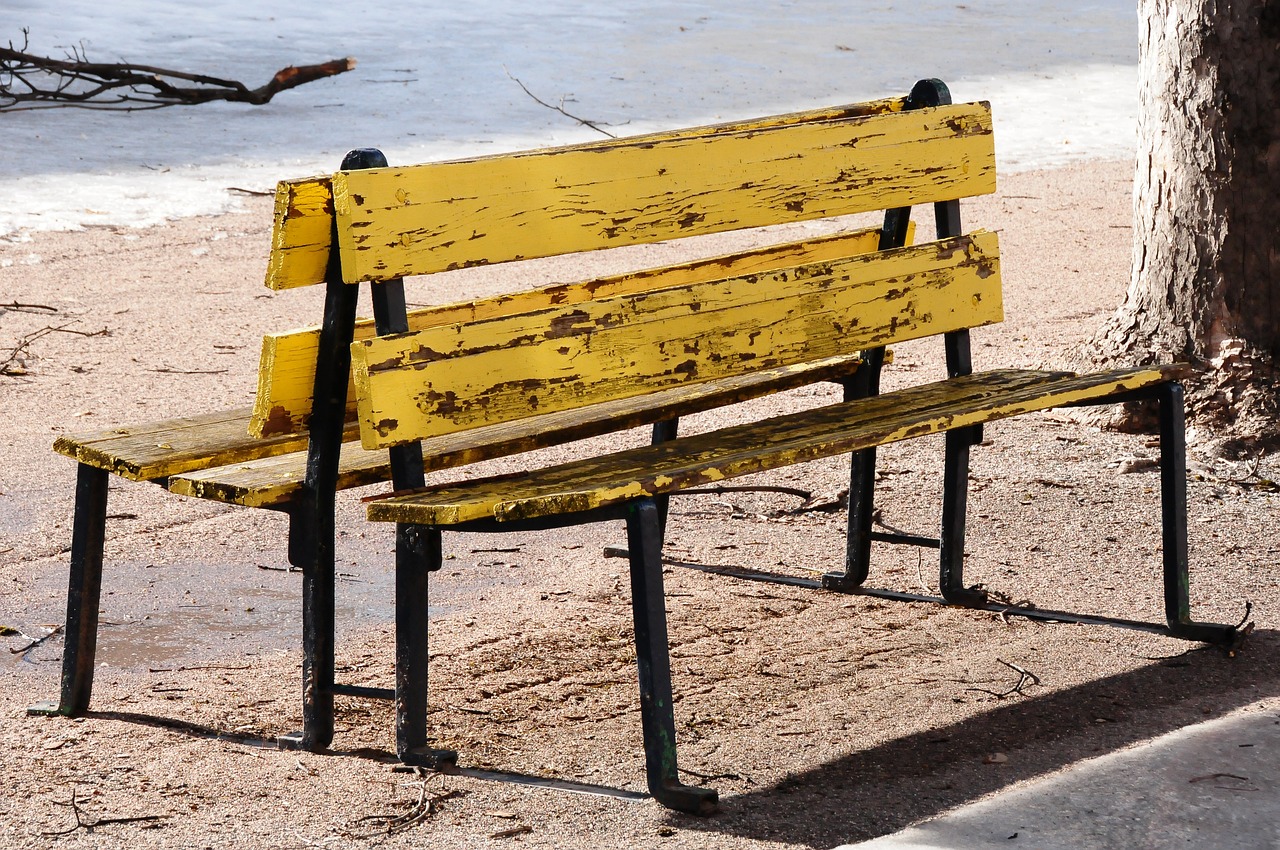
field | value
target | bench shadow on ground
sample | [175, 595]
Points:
[885, 788]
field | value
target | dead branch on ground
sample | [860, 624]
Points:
[584, 122]
[35, 641]
[418, 812]
[28, 81]
[18, 307]
[90, 826]
[1025, 677]
[16, 364]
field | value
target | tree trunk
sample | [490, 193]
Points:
[1205, 284]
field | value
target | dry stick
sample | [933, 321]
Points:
[559, 108]
[513, 831]
[169, 370]
[420, 811]
[748, 488]
[89, 827]
[1024, 677]
[27, 79]
[23, 343]
[28, 308]
[56, 630]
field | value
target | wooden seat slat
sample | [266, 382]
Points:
[274, 481]
[160, 449]
[757, 446]
[524, 365]
[286, 373]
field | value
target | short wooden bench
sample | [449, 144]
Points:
[295, 449]
[565, 365]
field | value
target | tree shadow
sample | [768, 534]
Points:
[885, 788]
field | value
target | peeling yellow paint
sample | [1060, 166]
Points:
[286, 370]
[569, 356]
[758, 446]
[629, 191]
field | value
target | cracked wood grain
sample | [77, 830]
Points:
[286, 372]
[304, 208]
[457, 377]
[757, 446]
[429, 218]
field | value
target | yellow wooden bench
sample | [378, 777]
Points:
[567, 363]
[295, 449]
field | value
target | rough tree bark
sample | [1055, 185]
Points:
[1205, 285]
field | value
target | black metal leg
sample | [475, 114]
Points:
[644, 542]
[862, 475]
[418, 553]
[862, 490]
[84, 589]
[955, 495]
[664, 432]
[1173, 507]
[311, 541]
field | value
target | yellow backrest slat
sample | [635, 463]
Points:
[423, 219]
[456, 377]
[304, 208]
[287, 368]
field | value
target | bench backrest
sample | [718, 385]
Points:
[301, 236]
[287, 370]
[391, 222]
[461, 376]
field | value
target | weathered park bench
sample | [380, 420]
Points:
[567, 365]
[294, 450]
[613, 353]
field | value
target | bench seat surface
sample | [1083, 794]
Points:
[168, 447]
[273, 481]
[758, 446]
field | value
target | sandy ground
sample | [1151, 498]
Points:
[822, 719]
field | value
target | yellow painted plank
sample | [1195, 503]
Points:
[273, 481]
[286, 373]
[160, 449]
[456, 377]
[429, 218]
[301, 233]
[304, 208]
[757, 447]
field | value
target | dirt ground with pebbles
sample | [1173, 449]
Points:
[822, 719]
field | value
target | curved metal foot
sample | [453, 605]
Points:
[302, 741]
[430, 758]
[46, 708]
[686, 798]
[968, 597]
[292, 741]
[840, 582]
[1228, 638]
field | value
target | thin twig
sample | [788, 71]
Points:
[559, 108]
[512, 832]
[15, 364]
[28, 308]
[35, 642]
[169, 370]
[90, 826]
[420, 811]
[747, 488]
[1025, 677]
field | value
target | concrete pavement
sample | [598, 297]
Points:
[1212, 785]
